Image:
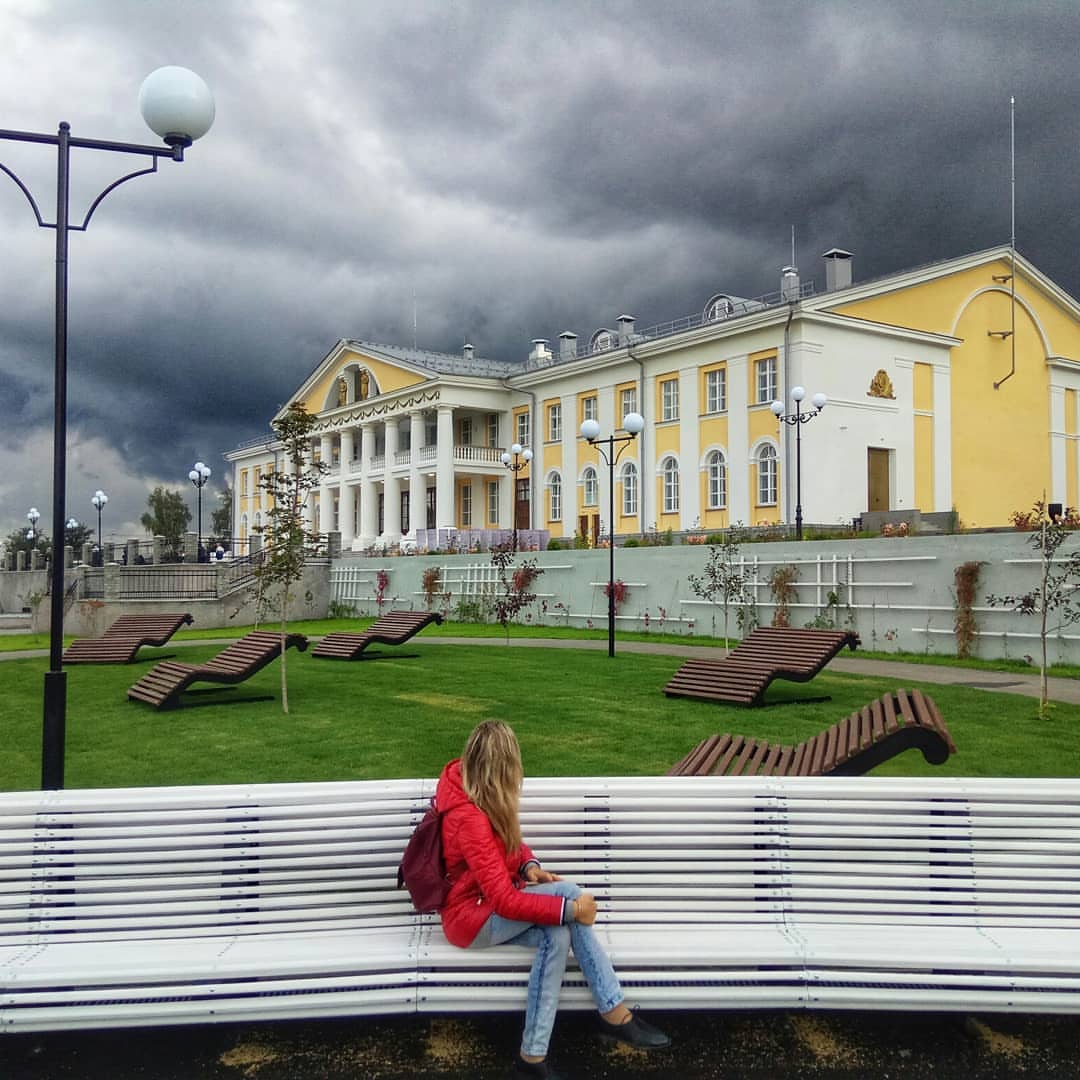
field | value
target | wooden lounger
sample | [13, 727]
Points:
[393, 628]
[765, 654]
[120, 643]
[902, 720]
[162, 686]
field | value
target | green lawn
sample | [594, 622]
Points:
[576, 712]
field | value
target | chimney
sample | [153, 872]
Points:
[467, 351]
[540, 351]
[789, 284]
[837, 269]
[567, 346]
[626, 328]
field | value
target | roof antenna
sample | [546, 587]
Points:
[1011, 276]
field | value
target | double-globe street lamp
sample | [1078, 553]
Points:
[32, 515]
[199, 475]
[797, 419]
[177, 105]
[633, 424]
[98, 501]
[515, 459]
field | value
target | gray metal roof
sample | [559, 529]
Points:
[440, 363]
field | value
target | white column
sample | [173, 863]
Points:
[391, 533]
[368, 494]
[943, 496]
[689, 448]
[740, 497]
[326, 495]
[417, 484]
[347, 494]
[445, 510]
[307, 511]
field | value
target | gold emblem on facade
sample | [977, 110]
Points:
[881, 386]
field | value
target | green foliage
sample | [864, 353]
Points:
[17, 541]
[337, 609]
[168, 516]
[287, 543]
[723, 581]
[221, 519]
[1054, 592]
[472, 610]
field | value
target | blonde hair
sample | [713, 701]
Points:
[491, 775]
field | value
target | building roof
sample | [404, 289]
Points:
[438, 362]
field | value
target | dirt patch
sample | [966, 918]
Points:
[450, 1044]
[470, 706]
[249, 1057]
[827, 1047]
[997, 1042]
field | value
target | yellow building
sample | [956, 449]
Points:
[952, 387]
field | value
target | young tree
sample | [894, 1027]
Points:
[221, 520]
[1054, 592]
[516, 585]
[168, 516]
[723, 581]
[287, 541]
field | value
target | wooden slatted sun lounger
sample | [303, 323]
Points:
[162, 685]
[393, 628]
[122, 640]
[899, 721]
[767, 653]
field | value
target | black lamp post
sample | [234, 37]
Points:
[521, 458]
[178, 106]
[199, 476]
[633, 424]
[797, 419]
[98, 501]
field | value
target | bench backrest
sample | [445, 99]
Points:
[169, 862]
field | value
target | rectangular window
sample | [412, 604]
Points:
[523, 432]
[431, 430]
[243, 482]
[669, 392]
[766, 380]
[555, 423]
[627, 401]
[629, 490]
[671, 489]
[555, 499]
[465, 431]
[716, 391]
[493, 502]
[588, 408]
[466, 506]
[493, 429]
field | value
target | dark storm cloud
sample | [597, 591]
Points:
[500, 172]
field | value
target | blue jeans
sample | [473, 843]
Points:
[552, 945]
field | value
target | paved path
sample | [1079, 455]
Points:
[1010, 682]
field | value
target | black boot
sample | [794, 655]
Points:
[635, 1032]
[540, 1070]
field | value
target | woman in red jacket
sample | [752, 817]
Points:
[500, 895]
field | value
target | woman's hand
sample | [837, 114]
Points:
[585, 909]
[535, 875]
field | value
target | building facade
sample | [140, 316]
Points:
[952, 387]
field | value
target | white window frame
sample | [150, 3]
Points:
[629, 489]
[590, 487]
[767, 475]
[669, 397]
[493, 502]
[466, 506]
[628, 396]
[493, 429]
[716, 390]
[588, 408]
[555, 422]
[765, 375]
[465, 430]
[523, 432]
[716, 480]
[669, 470]
[554, 486]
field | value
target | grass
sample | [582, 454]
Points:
[577, 712]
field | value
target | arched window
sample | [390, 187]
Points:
[670, 472]
[719, 307]
[601, 340]
[554, 486]
[629, 489]
[766, 475]
[716, 473]
[590, 496]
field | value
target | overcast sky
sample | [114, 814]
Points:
[507, 170]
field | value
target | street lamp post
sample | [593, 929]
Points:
[633, 424]
[521, 457]
[32, 515]
[178, 106]
[98, 501]
[199, 476]
[797, 419]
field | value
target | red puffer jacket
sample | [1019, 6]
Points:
[484, 876]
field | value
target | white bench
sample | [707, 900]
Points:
[191, 905]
